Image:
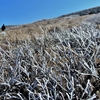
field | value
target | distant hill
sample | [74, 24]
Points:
[88, 16]
[52, 59]
[94, 10]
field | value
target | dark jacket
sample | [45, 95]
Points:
[3, 27]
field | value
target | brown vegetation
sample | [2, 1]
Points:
[23, 32]
[55, 59]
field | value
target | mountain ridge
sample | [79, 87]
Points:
[93, 10]
[48, 25]
[89, 11]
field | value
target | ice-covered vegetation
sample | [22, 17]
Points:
[58, 66]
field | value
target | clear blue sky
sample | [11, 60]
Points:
[15, 12]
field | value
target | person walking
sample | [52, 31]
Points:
[3, 27]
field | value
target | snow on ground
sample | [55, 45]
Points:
[3, 33]
[94, 19]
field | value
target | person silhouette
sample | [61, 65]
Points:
[3, 27]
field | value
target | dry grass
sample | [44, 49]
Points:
[58, 66]
[23, 32]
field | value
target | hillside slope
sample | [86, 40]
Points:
[55, 59]
[62, 22]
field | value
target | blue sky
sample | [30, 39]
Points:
[15, 12]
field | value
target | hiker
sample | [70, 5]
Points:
[3, 27]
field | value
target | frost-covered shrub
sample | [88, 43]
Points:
[58, 66]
